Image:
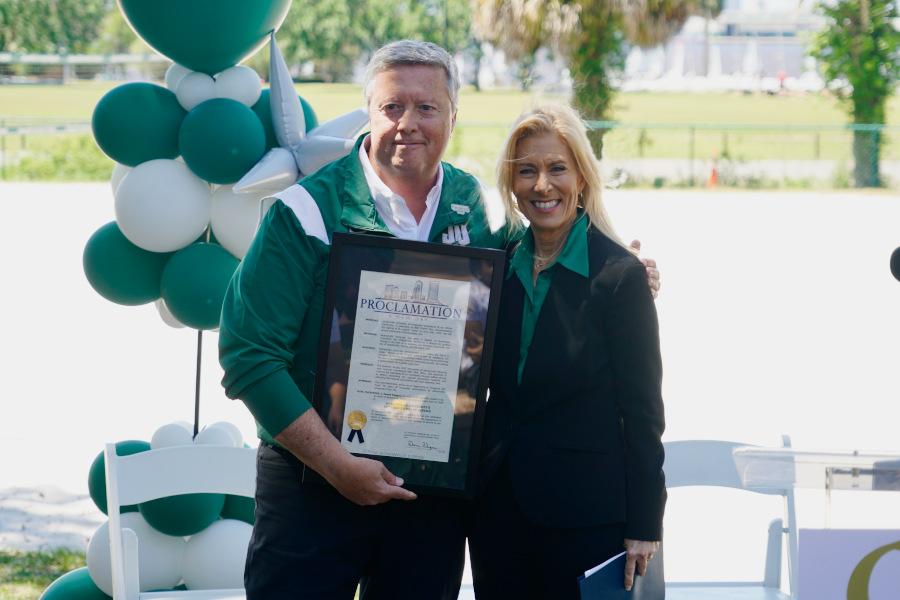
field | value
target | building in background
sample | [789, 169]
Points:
[752, 45]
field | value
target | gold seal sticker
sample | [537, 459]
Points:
[356, 420]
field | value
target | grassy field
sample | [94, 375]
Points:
[657, 124]
[24, 575]
[77, 101]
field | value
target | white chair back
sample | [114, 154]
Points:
[161, 473]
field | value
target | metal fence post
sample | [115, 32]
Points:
[3, 150]
[874, 156]
[691, 157]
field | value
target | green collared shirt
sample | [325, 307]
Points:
[574, 257]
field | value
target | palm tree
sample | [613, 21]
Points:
[592, 34]
[521, 27]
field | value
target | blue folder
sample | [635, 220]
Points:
[608, 582]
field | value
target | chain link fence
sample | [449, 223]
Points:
[751, 156]
[45, 149]
[736, 155]
[30, 69]
[634, 154]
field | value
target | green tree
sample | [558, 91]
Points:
[860, 53]
[50, 26]
[335, 35]
[521, 27]
[598, 52]
[321, 32]
[115, 36]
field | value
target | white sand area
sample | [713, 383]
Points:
[778, 315]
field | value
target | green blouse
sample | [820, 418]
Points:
[574, 257]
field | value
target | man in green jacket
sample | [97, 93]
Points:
[315, 541]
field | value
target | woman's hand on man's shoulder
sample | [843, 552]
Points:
[650, 265]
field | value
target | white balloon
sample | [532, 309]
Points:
[160, 556]
[214, 436]
[215, 557]
[166, 315]
[235, 433]
[313, 153]
[345, 126]
[195, 88]
[239, 83]
[274, 172]
[287, 112]
[118, 174]
[162, 206]
[174, 74]
[179, 433]
[234, 219]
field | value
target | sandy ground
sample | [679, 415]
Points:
[46, 517]
[778, 315]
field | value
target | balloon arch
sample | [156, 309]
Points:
[195, 161]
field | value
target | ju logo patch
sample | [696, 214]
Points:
[456, 234]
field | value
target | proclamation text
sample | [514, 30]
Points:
[404, 365]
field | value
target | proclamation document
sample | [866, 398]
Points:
[405, 365]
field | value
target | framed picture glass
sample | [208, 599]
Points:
[405, 355]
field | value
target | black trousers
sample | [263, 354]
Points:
[515, 558]
[310, 543]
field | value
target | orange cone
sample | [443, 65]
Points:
[713, 179]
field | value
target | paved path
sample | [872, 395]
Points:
[44, 518]
[778, 314]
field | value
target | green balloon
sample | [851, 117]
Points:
[194, 283]
[240, 508]
[97, 474]
[185, 514]
[205, 35]
[309, 115]
[263, 110]
[221, 139]
[177, 588]
[137, 122]
[74, 585]
[120, 271]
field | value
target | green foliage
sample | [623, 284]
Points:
[598, 52]
[115, 36]
[322, 32]
[334, 35]
[23, 575]
[592, 34]
[64, 158]
[50, 26]
[860, 52]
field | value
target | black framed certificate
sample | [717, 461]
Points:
[405, 355]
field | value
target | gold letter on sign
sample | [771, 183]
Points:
[858, 586]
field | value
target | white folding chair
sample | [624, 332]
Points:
[166, 472]
[711, 463]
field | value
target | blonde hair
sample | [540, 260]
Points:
[564, 122]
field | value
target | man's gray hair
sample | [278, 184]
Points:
[412, 52]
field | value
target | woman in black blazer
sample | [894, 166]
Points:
[572, 459]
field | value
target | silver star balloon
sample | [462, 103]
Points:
[298, 153]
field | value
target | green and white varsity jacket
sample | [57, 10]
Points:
[272, 314]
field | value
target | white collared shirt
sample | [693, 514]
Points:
[392, 207]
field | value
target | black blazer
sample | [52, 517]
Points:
[582, 432]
